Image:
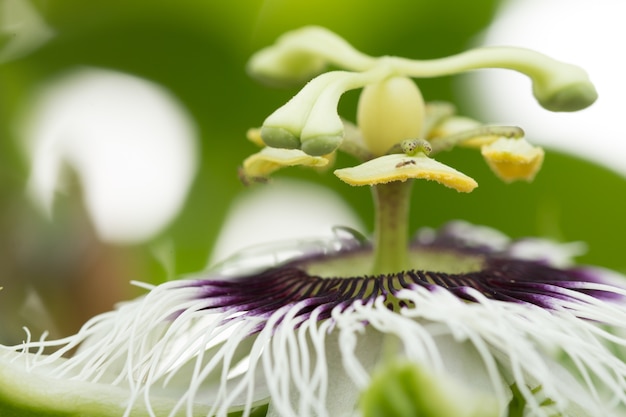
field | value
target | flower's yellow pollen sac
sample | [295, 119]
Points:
[479, 142]
[459, 125]
[254, 136]
[400, 167]
[468, 133]
[268, 160]
[453, 125]
[330, 161]
[513, 159]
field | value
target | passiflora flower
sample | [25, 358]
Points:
[478, 317]
[460, 321]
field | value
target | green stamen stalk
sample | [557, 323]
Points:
[391, 237]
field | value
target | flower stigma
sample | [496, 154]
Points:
[458, 321]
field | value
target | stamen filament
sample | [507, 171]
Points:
[491, 132]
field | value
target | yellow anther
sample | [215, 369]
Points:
[513, 159]
[268, 160]
[254, 136]
[400, 167]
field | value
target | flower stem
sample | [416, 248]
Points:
[391, 202]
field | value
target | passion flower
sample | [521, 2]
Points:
[461, 321]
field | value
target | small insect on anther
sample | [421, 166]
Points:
[405, 163]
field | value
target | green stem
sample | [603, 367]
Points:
[392, 201]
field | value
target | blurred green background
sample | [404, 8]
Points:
[57, 273]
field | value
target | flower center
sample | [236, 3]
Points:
[359, 263]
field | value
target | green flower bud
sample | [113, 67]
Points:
[405, 389]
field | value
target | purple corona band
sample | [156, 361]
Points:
[502, 277]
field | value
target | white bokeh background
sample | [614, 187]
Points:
[131, 144]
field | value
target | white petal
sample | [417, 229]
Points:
[557, 254]
[38, 389]
[471, 235]
[284, 212]
[426, 343]
[340, 394]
